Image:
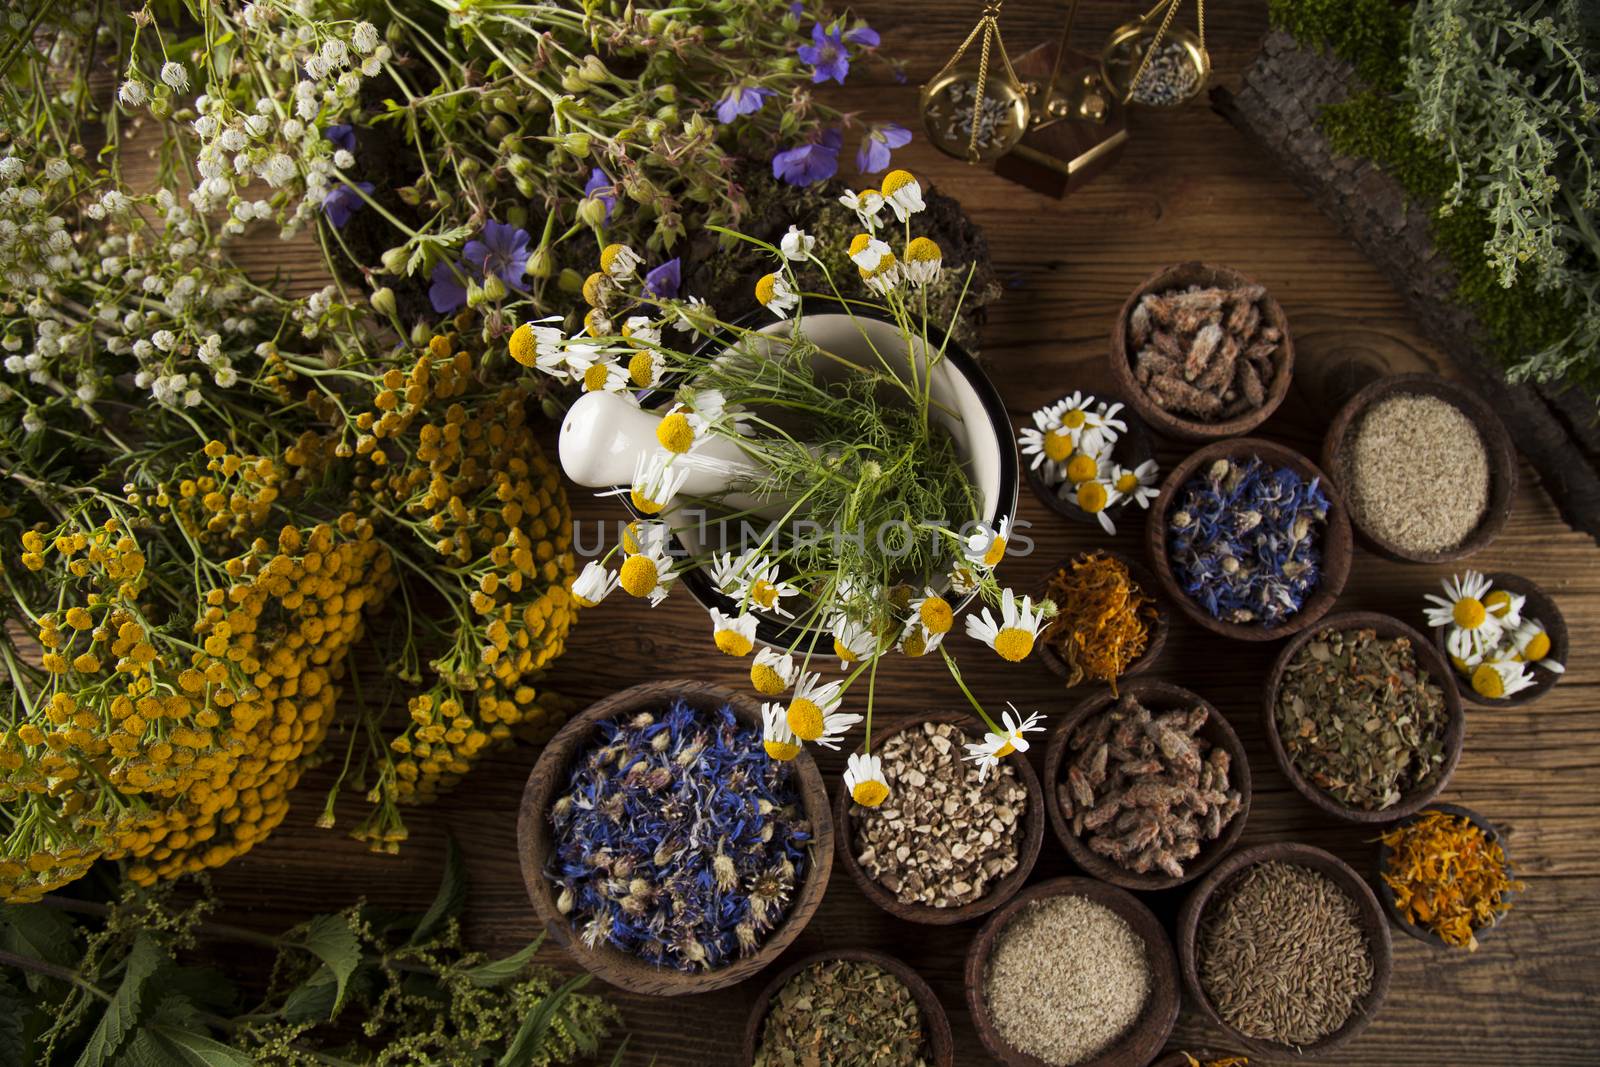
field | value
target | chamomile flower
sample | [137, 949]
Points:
[933, 612]
[863, 776]
[640, 332]
[963, 579]
[776, 737]
[797, 244]
[1137, 484]
[607, 375]
[619, 262]
[725, 571]
[1084, 467]
[537, 344]
[902, 193]
[1048, 442]
[596, 323]
[867, 204]
[1505, 606]
[645, 368]
[1472, 628]
[1532, 644]
[771, 672]
[852, 641]
[594, 584]
[1013, 636]
[922, 261]
[885, 278]
[1094, 497]
[996, 747]
[734, 635]
[761, 587]
[814, 709]
[867, 252]
[655, 482]
[645, 535]
[1496, 679]
[776, 294]
[647, 575]
[987, 546]
[1101, 428]
[681, 429]
[917, 640]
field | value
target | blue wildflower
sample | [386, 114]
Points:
[742, 100]
[810, 163]
[601, 187]
[863, 36]
[797, 9]
[447, 294]
[827, 55]
[343, 135]
[664, 280]
[341, 202]
[502, 250]
[873, 155]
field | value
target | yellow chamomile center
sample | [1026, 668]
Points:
[675, 433]
[936, 615]
[638, 575]
[1073, 420]
[870, 794]
[1057, 445]
[1080, 468]
[1469, 613]
[782, 751]
[914, 644]
[594, 379]
[766, 288]
[1128, 482]
[859, 242]
[805, 718]
[523, 348]
[630, 537]
[1486, 682]
[1092, 497]
[593, 287]
[843, 653]
[609, 255]
[642, 368]
[896, 180]
[766, 679]
[923, 250]
[1537, 648]
[1461, 665]
[1004, 750]
[763, 592]
[1497, 603]
[733, 643]
[1014, 644]
[644, 503]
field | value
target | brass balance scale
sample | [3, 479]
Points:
[1057, 117]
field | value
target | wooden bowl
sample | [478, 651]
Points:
[935, 1023]
[1429, 659]
[1148, 1033]
[1386, 894]
[1180, 276]
[1539, 605]
[1028, 846]
[1178, 1059]
[1340, 873]
[1502, 457]
[1154, 643]
[1157, 696]
[1131, 449]
[1337, 546]
[534, 843]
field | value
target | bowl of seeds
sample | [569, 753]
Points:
[1515, 649]
[1364, 718]
[1285, 948]
[1444, 876]
[986, 833]
[1108, 624]
[1149, 789]
[1249, 540]
[848, 1008]
[1089, 458]
[1202, 352]
[1073, 973]
[663, 849]
[1425, 465]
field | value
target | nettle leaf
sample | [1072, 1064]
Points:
[450, 899]
[196, 1050]
[39, 933]
[122, 1014]
[531, 1034]
[331, 940]
[312, 1001]
[504, 971]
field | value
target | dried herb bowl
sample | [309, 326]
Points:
[935, 1023]
[1130, 450]
[1497, 447]
[1144, 1039]
[1180, 276]
[1538, 605]
[1157, 696]
[1155, 641]
[1374, 925]
[1386, 893]
[1336, 545]
[535, 841]
[1030, 836]
[1429, 659]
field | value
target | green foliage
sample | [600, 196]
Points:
[1371, 34]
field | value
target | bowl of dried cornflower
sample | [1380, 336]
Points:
[1088, 459]
[1444, 876]
[1202, 352]
[1503, 634]
[1149, 789]
[663, 849]
[1250, 540]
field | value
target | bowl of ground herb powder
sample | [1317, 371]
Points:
[1073, 973]
[1364, 718]
[1425, 466]
[1286, 948]
[848, 1008]
[663, 849]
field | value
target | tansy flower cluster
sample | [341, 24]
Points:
[1491, 640]
[786, 606]
[1071, 444]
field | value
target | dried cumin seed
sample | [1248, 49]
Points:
[1418, 473]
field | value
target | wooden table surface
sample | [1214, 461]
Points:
[1188, 187]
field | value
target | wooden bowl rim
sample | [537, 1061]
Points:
[1373, 921]
[534, 844]
[1142, 577]
[1555, 624]
[935, 1021]
[1428, 658]
[1137, 436]
[1145, 1038]
[1217, 730]
[1028, 845]
[1191, 429]
[1337, 540]
[1386, 894]
[1499, 451]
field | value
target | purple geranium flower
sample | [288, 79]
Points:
[342, 202]
[343, 135]
[603, 189]
[827, 55]
[664, 280]
[503, 251]
[865, 36]
[741, 100]
[873, 155]
[810, 163]
[447, 294]
[797, 9]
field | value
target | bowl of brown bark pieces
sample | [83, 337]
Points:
[1148, 789]
[1202, 352]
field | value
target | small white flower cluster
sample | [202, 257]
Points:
[36, 246]
[1490, 638]
[1071, 444]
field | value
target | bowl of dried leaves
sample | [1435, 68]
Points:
[849, 1008]
[1444, 876]
[1202, 352]
[1149, 789]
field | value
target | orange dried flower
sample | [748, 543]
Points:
[1104, 620]
[1448, 876]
